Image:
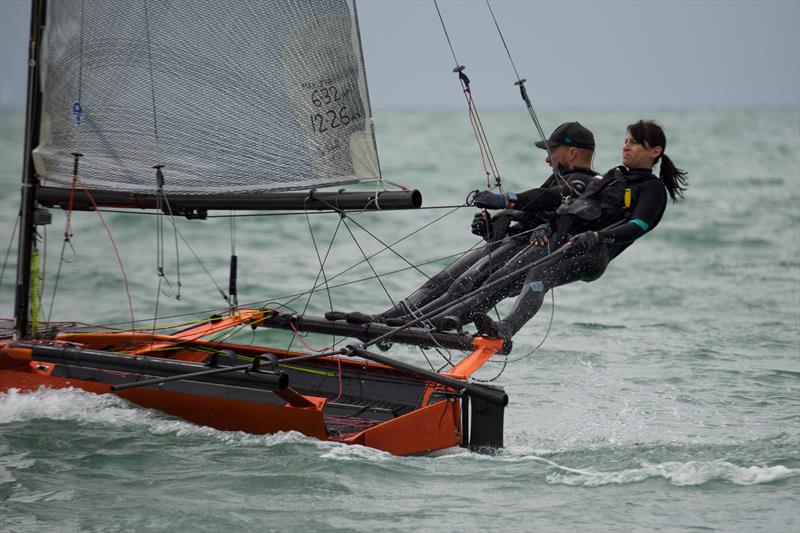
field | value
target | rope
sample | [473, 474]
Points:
[524, 94]
[369, 263]
[8, 249]
[116, 251]
[321, 271]
[472, 109]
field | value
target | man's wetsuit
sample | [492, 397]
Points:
[621, 207]
[472, 269]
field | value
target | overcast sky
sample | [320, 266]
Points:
[593, 54]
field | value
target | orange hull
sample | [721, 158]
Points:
[433, 422]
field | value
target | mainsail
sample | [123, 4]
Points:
[234, 97]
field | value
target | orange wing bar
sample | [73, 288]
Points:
[484, 349]
[245, 316]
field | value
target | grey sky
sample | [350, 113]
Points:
[573, 53]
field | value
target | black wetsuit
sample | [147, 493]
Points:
[472, 269]
[621, 207]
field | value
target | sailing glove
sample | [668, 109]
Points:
[540, 235]
[482, 227]
[490, 200]
[583, 242]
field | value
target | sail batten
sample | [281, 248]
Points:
[231, 97]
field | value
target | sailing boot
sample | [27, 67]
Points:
[360, 318]
[334, 315]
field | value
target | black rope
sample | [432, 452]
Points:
[425, 226]
[452, 51]
[321, 272]
[8, 249]
[524, 94]
[480, 132]
[369, 263]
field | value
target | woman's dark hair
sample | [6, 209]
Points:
[650, 134]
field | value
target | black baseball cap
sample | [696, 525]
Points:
[570, 134]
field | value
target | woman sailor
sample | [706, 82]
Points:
[587, 231]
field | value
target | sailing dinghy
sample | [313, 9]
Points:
[187, 107]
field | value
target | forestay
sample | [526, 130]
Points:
[231, 97]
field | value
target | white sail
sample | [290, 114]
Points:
[230, 97]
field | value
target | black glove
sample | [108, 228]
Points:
[540, 235]
[490, 200]
[482, 227]
[583, 242]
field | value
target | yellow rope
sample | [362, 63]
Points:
[36, 293]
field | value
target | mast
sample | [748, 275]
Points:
[29, 182]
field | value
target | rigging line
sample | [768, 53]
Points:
[480, 134]
[425, 226]
[276, 300]
[158, 300]
[44, 262]
[321, 271]
[492, 161]
[8, 249]
[476, 292]
[177, 248]
[524, 93]
[436, 4]
[199, 262]
[67, 234]
[116, 250]
[369, 263]
[388, 247]
[322, 266]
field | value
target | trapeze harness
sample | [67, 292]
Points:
[621, 207]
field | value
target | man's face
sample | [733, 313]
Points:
[558, 155]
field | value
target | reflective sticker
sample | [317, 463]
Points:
[537, 286]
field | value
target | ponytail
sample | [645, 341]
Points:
[649, 133]
[674, 179]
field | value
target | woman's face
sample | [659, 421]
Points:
[636, 155]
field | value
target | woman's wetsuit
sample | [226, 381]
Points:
[621, 207]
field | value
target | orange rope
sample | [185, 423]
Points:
[116, 250]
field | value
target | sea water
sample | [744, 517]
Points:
[665, 397]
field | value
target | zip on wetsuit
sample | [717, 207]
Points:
[621, 207]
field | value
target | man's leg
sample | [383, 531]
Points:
[569, 268]
[469, 279]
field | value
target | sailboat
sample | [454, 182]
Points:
[183, 108]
